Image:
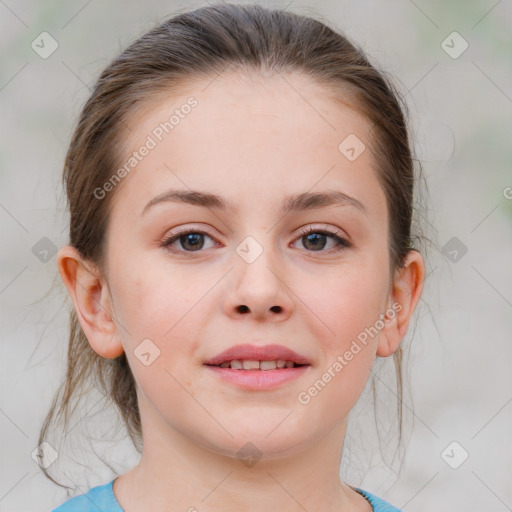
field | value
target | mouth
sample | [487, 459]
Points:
[258, 368]
[257, 357]
[255, 365]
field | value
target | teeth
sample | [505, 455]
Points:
[250, 364]
[268, 365]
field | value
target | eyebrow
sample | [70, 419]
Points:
[290, 204]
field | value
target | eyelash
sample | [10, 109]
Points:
[342, 243]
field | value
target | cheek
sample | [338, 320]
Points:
[171, 307]
[346, 308]
[345, 301]
[153, 299]
[160, 307]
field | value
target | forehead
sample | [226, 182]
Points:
[247, 133]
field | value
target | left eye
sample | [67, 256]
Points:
[316, 240]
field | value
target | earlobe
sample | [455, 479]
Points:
[92, 302]
[405, 294]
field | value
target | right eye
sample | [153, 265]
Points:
[191, 240]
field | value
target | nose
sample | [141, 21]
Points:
[258, 289]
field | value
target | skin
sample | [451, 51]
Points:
[252, 139]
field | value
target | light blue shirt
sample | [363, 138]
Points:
[102, 499]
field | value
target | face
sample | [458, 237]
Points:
[310, 277]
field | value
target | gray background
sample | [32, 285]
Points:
[459, 364]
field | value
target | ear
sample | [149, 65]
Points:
[92, 301]
[405, 293]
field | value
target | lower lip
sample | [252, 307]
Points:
[259, 379]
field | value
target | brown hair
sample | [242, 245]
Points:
[199, 44]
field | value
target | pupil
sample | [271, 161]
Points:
[193, 239]
[315, 238]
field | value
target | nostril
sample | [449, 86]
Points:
[244, 309]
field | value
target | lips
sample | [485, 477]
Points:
[248, 352]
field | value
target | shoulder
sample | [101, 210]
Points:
[378, 504]
[100, 497]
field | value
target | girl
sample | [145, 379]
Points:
[240, 186]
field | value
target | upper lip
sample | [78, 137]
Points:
[257, 353]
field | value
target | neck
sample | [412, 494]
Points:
[176, 473]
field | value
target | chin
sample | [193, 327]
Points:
[256, 444]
